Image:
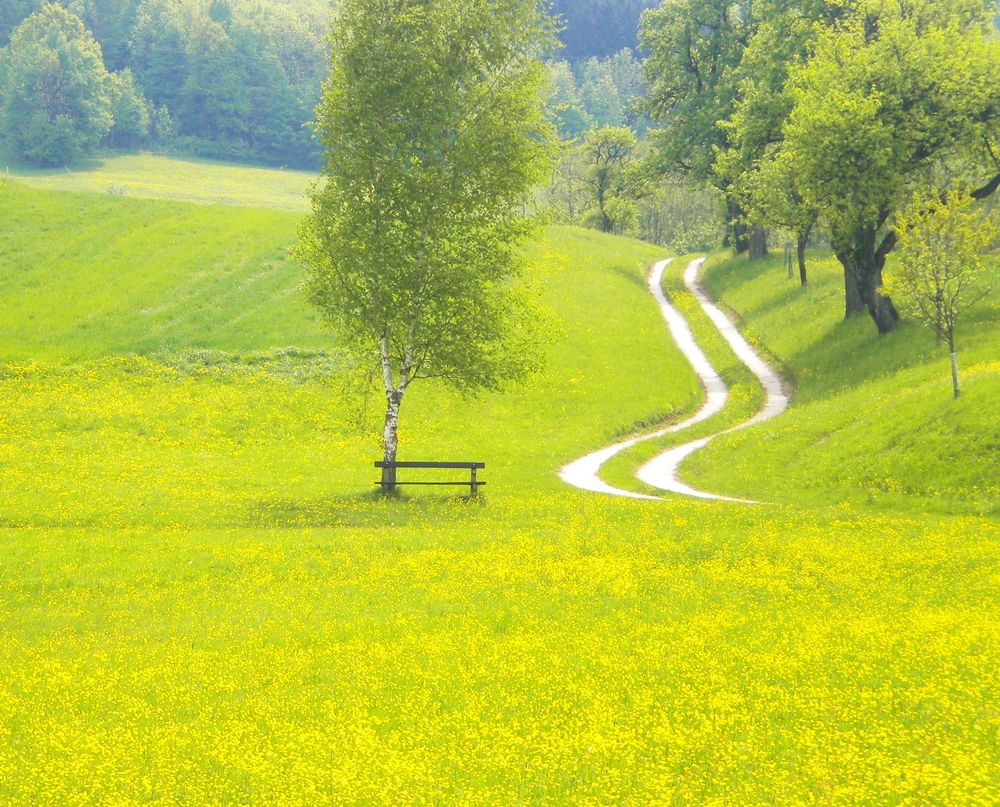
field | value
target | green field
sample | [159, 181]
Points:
[150, 176]
[202, 602]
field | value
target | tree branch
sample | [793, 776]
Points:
[988, 189]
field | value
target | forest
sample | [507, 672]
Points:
[232, 79]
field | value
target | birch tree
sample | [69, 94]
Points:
[434, 130]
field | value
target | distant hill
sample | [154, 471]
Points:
[599, 27]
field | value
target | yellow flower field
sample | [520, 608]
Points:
[203, 602]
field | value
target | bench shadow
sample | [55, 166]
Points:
[364, 509]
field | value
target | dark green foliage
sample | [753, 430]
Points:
[236, 79]
[55, 95]
[213, 103]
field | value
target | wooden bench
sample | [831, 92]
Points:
[473, 483]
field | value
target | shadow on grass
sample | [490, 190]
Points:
[631, 276]
[368, 509]
[19, 167]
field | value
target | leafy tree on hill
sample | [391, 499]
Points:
[763, 186]
[435, 135]
[608, 153]
[889, 93]
[942, 245]
[695, 48]
[55, 96]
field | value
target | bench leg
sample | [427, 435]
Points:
[472, 484]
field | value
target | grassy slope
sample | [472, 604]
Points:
[93, 275]
[151, 277]
[873, 420]
[236, 620]
[148, 176]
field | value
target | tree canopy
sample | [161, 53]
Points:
[434, 132]
[235, 78]
[55, 94]
[830, 110]
[891, 93]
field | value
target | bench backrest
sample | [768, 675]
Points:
[470, 465]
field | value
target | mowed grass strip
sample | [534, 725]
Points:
[84, 275]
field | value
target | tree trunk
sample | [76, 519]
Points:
[739, 233]
[863, 265]
[390, 441]
[954, 364]
[853, 301]
[758, 243]
[802, 241]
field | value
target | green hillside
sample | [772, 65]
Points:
[202, 602]
[94, 275]
[873, 421]
[149, 176]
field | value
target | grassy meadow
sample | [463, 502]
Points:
[202, 601]
[873, 421]
[151, 176]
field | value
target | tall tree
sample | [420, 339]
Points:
[762, 185]
[895, 89]
[130, 111]
[158, 48]
[55, 100]
[435, 134]
[942, 246]
[695, 48]
[213, 103]
[565, 102]
[607, 154]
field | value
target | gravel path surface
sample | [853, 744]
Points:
[661, 471]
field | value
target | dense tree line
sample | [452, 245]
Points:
[239, 79]
[232, 79]
[834, 111]
[598, 92]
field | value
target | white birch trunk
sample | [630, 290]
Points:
[390, 429]
[393, 398]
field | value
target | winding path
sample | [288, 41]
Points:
[661, 471]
